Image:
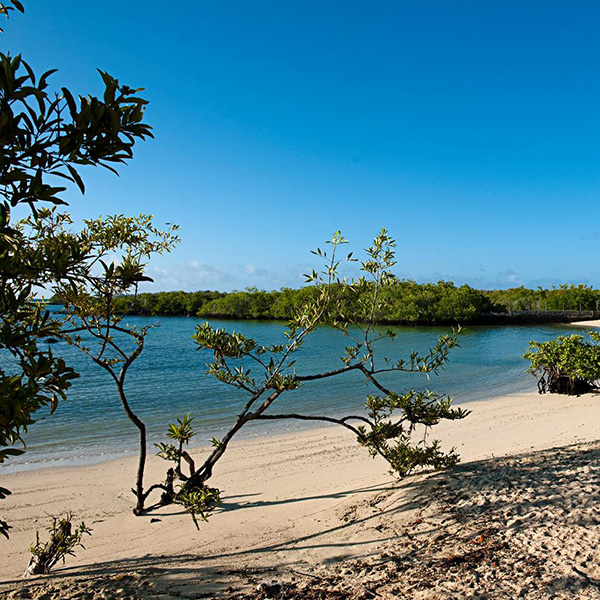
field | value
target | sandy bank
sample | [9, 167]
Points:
[595, 323]
[292, 502]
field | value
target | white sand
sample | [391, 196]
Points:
[293, 502]
[595, 323]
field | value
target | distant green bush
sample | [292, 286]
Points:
[566, 365]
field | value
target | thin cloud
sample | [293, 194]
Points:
[190, 276]
[592, 236]
[255, 271]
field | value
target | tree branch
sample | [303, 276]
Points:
[342, 422]
[329, 373]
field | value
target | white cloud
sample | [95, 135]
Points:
[511, 277]
[255, 271]
[190, 276]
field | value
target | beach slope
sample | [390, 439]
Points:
[295, 505]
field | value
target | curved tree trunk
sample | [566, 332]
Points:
[139, 484]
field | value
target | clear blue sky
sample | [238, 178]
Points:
[472, 133]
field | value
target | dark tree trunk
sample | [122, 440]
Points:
[555, 383]
[139, 483]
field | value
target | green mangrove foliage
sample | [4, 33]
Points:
[395, 424]
[564, 297]
[566, 365]
[402, 302]
[165, 303]
[405, 302]
[181, 433]
[46, 136]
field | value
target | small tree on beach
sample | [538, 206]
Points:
[90, 322]
[566, 365]
[46, 137]
[392, 417]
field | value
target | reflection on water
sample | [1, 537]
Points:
[169, 380]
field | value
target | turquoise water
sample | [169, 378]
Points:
[169, 380]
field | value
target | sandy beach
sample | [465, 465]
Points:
[294, 506]
[593, 324]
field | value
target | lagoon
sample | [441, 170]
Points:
[170, 380]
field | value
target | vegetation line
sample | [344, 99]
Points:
[401, 302]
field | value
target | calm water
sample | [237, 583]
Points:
[169, 380]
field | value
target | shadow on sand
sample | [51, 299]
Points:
[559, 485]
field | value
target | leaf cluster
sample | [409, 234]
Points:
[394, 422]
[49, 136]
[200, 502]
[181, 432]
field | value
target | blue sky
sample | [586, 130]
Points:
[471, 133]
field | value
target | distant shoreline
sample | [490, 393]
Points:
[401, 302]
[513, 318]
[525, 317]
